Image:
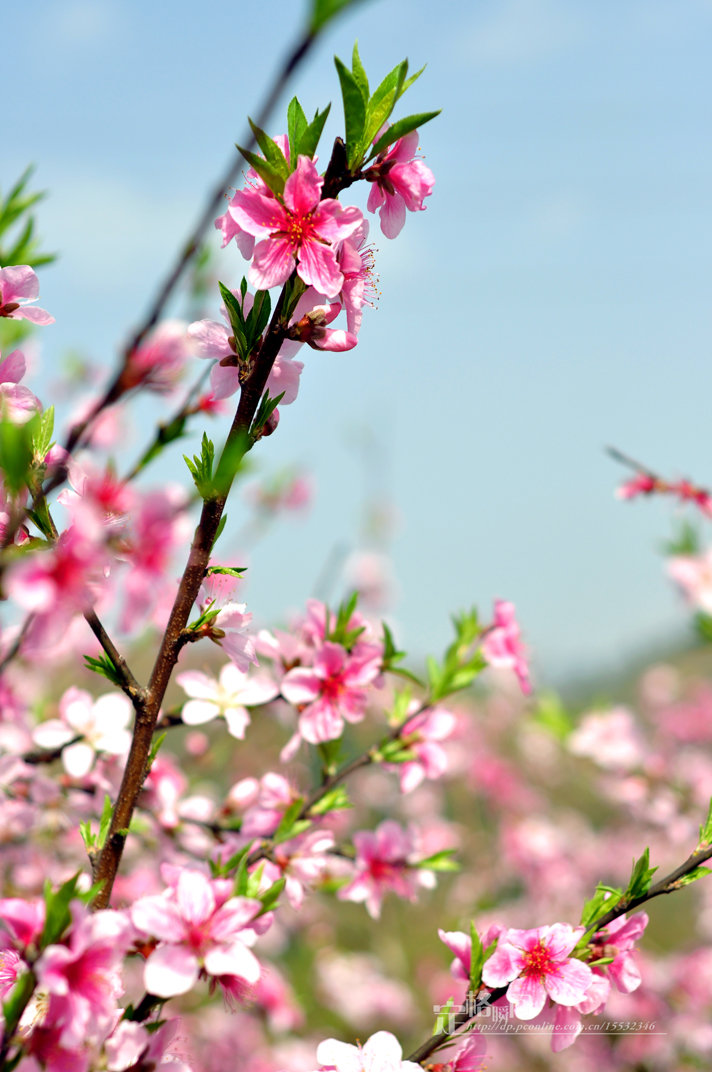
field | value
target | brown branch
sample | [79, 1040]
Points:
[668, 884]
[148, 705]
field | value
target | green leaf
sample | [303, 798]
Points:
[87, 836]
[706, 829]
[323, 11]
[359, 73]
[272, 152]
[226, 571]
[290, 824]
[395, 752]
[439, 861]
[552, 716]
[296, 126]
[703, 626]
[221, 525]
[266, 172]
[155, 748]
[391, 654]
[16, 1003]
[105, 822]
[270, 897]
[103, 666]
[692, 876]
[641, 877]
[57, 914]
[477, 960]
[400, 128]
[354, 111]
[265, 410]
[166, 433]
[336, 799]
[685, 542]
[237, 319]
[201, 469]
[384, 100]
[604, 898]
[42, 433]
[24, 248]
[257, 318]
[16, 454]
[310, 138]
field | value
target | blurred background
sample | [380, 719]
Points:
[553, 298]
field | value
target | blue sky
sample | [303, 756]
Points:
[553, 298]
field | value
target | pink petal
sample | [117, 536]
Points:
[235, 959]
[303, 187]
[319, 268]
[568, 985]
[170, 970]
[527, 995]
[18, 283]
[195, 896]
[272, 263]
[210, 338]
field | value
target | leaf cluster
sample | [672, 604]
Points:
[461, 664]
[365, 112]
[246, 329]
[22, 248]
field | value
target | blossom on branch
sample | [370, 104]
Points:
[201, 928]
[501, 645]
[230, 696]
[299, 230]
[400, 181]
[534, 965]
[386, 859]
[382, 1052]
[19, 285]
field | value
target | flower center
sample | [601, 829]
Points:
[538, 962]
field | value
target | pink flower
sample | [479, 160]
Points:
[100, 724]
[132, 1048]
[501, 645]
[536, 965]
[230, 697]
[400, 181]
[18, 286]
[420, 735]
[228, 225]
[201, 928]
[385, 860]
[213, 340]
[301, 861]
[17, 403]
[298, 230]
[330, 691]
[618, 940]
[693, 574]
[640, 484]
[610, 738]
[356, 260]
[470, 1057]
[159, 523]
[56, 584]
[382, 1052]
[460, 944]
[82, 978]
[158, 363]
[312, 328]
[12, 966]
